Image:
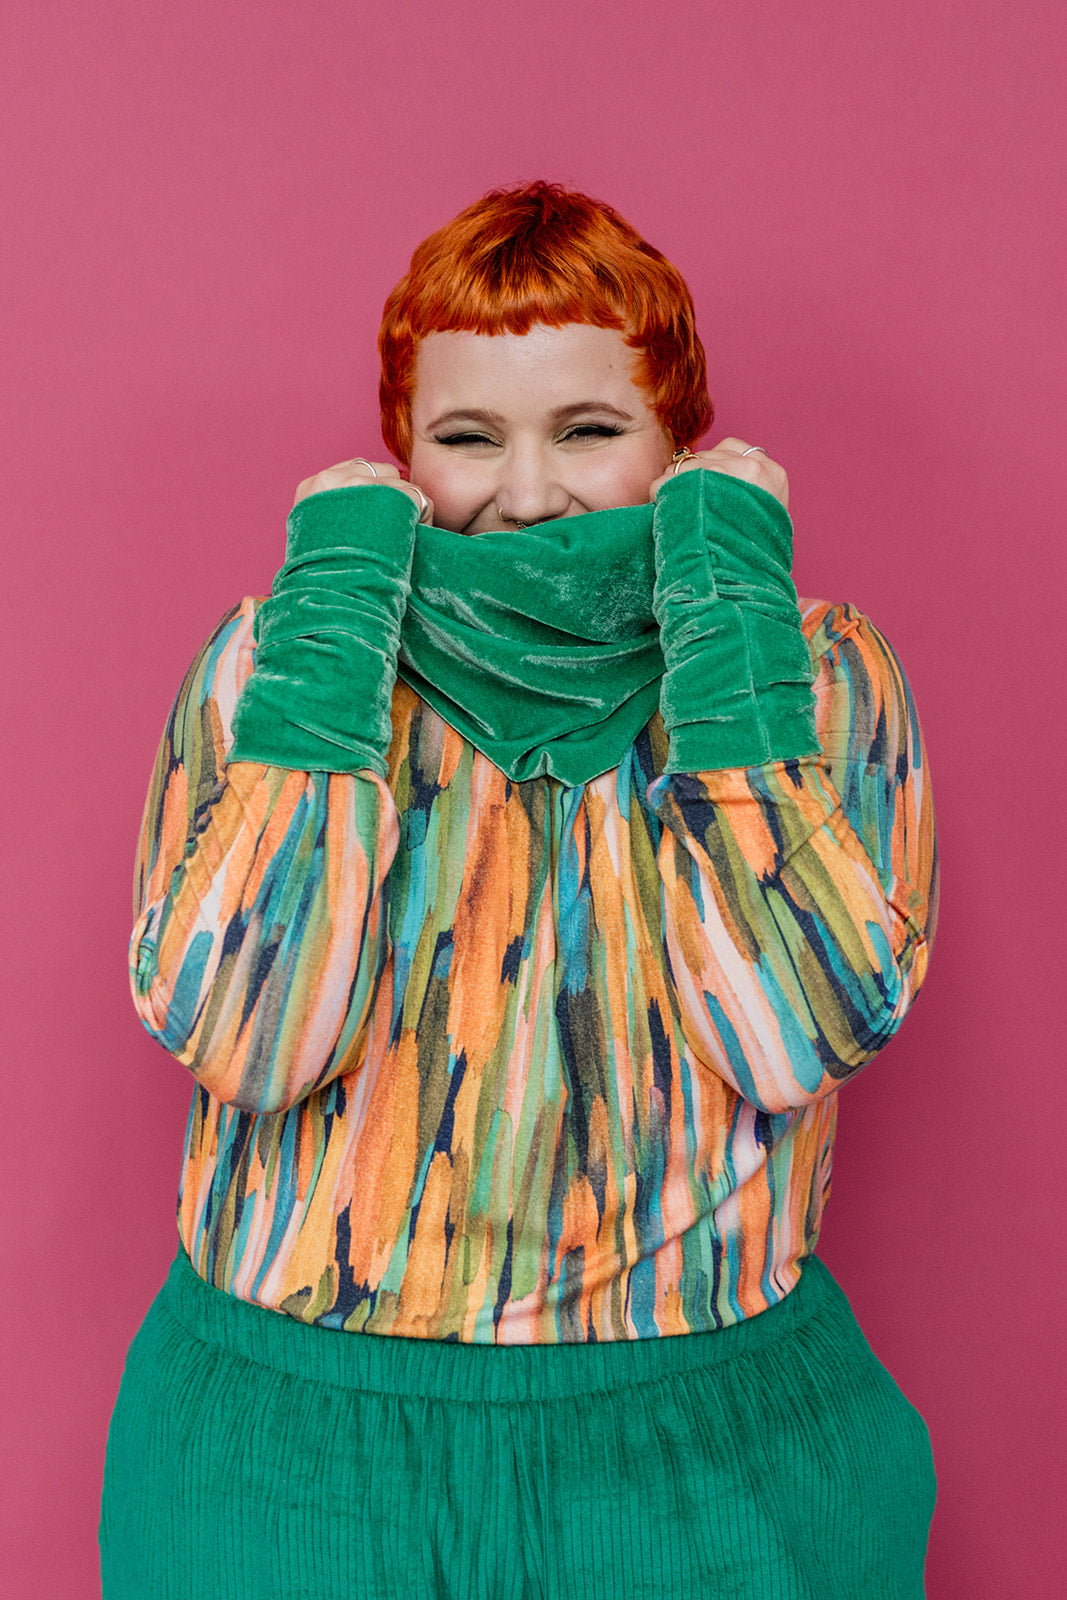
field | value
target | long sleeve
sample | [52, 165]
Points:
[260, 936]
[800, 894]
[540, 1062]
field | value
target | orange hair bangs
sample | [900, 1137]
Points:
[542, 253]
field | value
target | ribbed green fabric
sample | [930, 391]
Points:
[545, 649]
[737, 689]
[254, 1456]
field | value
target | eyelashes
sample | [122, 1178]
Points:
[593, 430]
[581, 430]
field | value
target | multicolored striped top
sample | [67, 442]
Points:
[523, 1062]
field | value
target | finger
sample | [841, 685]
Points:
[728, 458]
[735, 446]
[699, 458]
[361, 466]
[755, 457]
[345, 474]
[421, 501]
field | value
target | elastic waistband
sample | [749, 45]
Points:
[384, 1363]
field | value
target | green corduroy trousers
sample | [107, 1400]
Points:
[253, 1456]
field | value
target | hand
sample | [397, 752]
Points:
[347, 474]
[726, 457]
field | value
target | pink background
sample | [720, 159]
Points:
[207, 207]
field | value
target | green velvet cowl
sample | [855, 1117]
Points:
[539, 646]
[548, 648]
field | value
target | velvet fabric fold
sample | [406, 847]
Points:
[540, 647]
[549, 649]
[327, 638]
[737, 687]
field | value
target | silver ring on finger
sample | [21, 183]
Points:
[753, 448]
[424, 503]
[358, 461]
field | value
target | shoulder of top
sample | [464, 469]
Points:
[239, 621]
[233, 636]
[827, 624]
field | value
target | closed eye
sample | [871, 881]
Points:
[580, 430]
[464, 438]
[592, 430]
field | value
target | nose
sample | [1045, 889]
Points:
[529, 489]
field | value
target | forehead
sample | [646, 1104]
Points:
[542, 369]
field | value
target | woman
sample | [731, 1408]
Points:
[520, 882]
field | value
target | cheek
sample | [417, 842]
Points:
[447, 480]
[452, 484]
[438, 476]
[627, 481]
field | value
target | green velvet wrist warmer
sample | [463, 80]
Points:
[737, 687]
[327, 638]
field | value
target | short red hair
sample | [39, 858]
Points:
[542, 253]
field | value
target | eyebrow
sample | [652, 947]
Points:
[561, 414]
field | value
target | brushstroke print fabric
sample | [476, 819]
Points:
[526, 1062]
